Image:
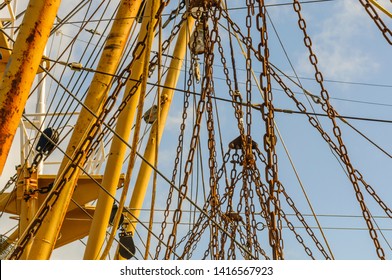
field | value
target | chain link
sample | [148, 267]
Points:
[377, 20]
[83, 152]
[267, 108]
[210, 40]
[214, 200]
[337, 132]
[9, 183]
[177, 158]
[30, 193]
[262, 190]
[190, 82]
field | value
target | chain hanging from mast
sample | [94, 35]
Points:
[338, 134]
[235, 209]
[246, 208]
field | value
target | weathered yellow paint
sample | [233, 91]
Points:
[86, 192]
[77, 222]
[21, 68]
[145, 170]
[26, 185]
[5, 51]
[47, 235]
[117, 151]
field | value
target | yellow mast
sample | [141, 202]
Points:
[22, 66]
[118, 148]
[46, 237]
[117, 152]
[145, 170]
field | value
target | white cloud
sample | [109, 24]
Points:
[341, 43]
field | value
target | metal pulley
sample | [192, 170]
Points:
[237, 144]
[127, 247]
[197, 7]
[113, 215]
[45, 145]
[151, 115]
[196, 42]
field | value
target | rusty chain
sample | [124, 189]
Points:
[214, 200]
[237, 101]
[177, 158]
[281, 213]
[207, 91]
[174, 13]
[337, 132]
[9, 183]
[80, 154]
[178, 153]
[208, 62]
[267, 108]
[246, 192]
[377, 20]
[313, 121]
[262, 190]
[327, 138]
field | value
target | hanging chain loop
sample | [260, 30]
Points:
[337, 132]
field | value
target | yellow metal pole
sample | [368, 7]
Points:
[22, 66]
[115, 158]
[144, 174]
[151, 18]
[384, 10]
[45, 239]
[118, 148]
[27, 185]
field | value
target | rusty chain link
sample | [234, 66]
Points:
[177, 159]
[337, 132]
[9, 183]
[84, 150]
[267, 108]
[179, 149]
[208, 58]
[386, 32]
[262, 191]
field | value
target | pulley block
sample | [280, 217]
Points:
[113, 214]
[196, 42]
[151, 115]
[127, 247]
[47, 141]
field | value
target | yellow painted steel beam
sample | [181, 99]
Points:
[26, 185]
[5, 52]
[145, 170]
[379, 6]
[118, 148]
[22, 66]
[86, 192]
[114, 46]
[76, 225]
